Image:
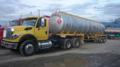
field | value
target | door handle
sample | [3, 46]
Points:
[39, 28]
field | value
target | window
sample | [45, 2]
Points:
[29, 22]
[42, 22]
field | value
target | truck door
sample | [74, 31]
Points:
[41, 30]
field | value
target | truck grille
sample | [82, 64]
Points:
[8, 33]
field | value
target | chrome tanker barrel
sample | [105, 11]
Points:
[64, 22]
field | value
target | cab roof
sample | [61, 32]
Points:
[32, 17]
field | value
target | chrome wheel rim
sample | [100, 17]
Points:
[68, 45]
[29, 49]
[77, 44]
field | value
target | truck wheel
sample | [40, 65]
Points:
[76, 43]
[67, 44]
[104, 40]
[82, 42]
[27, 48]
[101, 40]
[97, 40]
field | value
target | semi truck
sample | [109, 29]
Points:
[61, 29]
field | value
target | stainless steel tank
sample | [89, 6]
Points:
[64, 22]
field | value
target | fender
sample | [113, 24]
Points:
[27, 36]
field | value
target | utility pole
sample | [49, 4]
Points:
[39, 12]
[31, 13]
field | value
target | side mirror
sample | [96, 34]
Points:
[41, 23]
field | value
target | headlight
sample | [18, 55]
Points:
[12, 29]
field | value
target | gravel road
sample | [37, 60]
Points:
[89, 55]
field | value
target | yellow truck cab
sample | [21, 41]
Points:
[22, 38]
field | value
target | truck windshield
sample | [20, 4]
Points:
[29, 22]
[14, 23]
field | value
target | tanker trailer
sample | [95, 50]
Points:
[61, 22]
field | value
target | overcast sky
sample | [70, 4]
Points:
[100, 10]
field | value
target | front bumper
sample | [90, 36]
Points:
[10, 45]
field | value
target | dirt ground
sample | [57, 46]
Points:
[89, 55]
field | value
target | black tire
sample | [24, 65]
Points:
[27, 48]
[2, 47]
[76, 43]
[66, 44]
[97, 40]
[103, 40]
